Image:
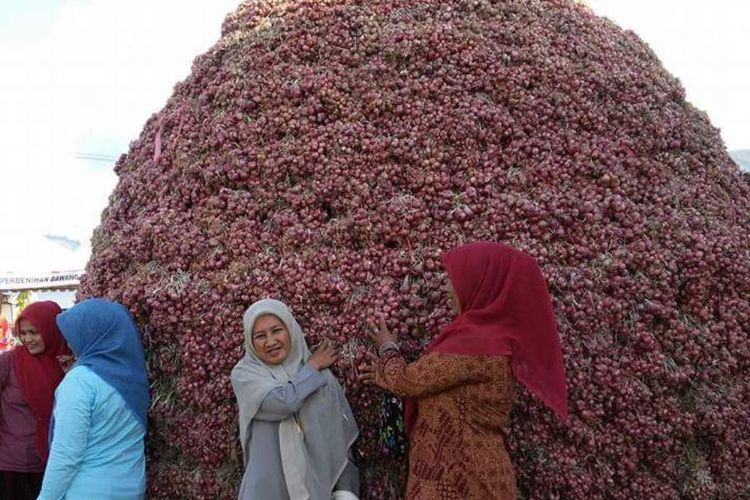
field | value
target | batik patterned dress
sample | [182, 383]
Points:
[457, 446]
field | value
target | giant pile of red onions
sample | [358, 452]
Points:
[325, 152]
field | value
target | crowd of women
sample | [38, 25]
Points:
[78, 434]
[74, 395]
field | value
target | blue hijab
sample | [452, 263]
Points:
[104, 338]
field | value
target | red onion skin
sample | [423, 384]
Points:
[327, 152]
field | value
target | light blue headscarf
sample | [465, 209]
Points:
[104, 338]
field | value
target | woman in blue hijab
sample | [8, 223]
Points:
[100, 408]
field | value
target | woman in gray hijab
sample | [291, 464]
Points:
[296, 427]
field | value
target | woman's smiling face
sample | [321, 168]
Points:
[271, 339]
[31, 338]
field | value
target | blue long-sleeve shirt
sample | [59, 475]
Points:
[97, 449]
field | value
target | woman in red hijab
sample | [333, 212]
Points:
[460, 391]
[29, 375]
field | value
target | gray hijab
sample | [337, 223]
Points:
[314, 442]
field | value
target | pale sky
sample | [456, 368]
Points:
[703, 43]
[83, 76]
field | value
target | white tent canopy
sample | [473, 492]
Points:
[49, 268]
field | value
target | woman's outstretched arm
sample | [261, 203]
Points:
[431, 374]
[285, 399]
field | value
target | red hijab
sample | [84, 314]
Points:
[40, 374]
[506, 310]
